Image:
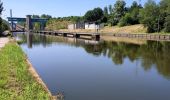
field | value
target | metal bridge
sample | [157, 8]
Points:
[16, 19]
[29, 22]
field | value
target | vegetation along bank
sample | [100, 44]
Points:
[16, 81]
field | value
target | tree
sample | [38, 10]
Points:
[95, 15]
[46, 16]
[36, 26]
[76, 19]
[36, 16]
[167, 20]
[149, 16]
[119, 10]
[134, 13]
[165, 15]
[126, 20]
[134, 5]
[110, 9]
[5, 25]
[1, 9]
[111, 20]
[106, 11]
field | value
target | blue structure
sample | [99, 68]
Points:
[28, 21]
[15, 19]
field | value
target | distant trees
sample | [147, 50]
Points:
[154, 16]
[95, 15]
[76, 19]
[116, 12]
[1, 9]
[167, 20]
[126, 20]
[106, 11]
[45, 16]
[37, 25]
[119, 10]
[132, 15]
[165, 9]
[35, 16]
[149, 16]
[110, 9]
[3, 24]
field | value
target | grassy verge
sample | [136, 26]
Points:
[115, 29]
[16, 83]
[107, 30]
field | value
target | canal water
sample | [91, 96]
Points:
[100, 70]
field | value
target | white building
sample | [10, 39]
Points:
[91, 26]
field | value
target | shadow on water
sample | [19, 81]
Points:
[152, 53]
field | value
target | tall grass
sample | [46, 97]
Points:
[16, 83]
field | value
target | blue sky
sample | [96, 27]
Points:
[56, 8]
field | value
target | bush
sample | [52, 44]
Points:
[3, 26]
[126, 20]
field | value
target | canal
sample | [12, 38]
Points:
[100, 70]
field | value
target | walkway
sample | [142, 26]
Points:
[3, 41]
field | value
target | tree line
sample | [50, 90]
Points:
[3, 23]
[154, 16]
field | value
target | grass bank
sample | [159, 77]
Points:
[115, 29]
[108, 30]
[16, 82]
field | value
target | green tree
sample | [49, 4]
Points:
[36, 26]
[119, 10]
[106, 11]
[110, 9]
[5, 25]
[149, 16]
[1, 9]
[165, 15]
[126, 20]
[95, 15]
[167, 20]
[134, 5]
[111, 20]
[134, 12]
[36, 16]
[46, 16]
[76, 19]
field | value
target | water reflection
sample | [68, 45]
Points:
[29, 39]
[78, 69]
[152, 53]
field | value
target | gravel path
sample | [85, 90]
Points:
[3, 41]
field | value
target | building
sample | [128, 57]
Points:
[93, 26]
[82, 25]
[79, 25]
